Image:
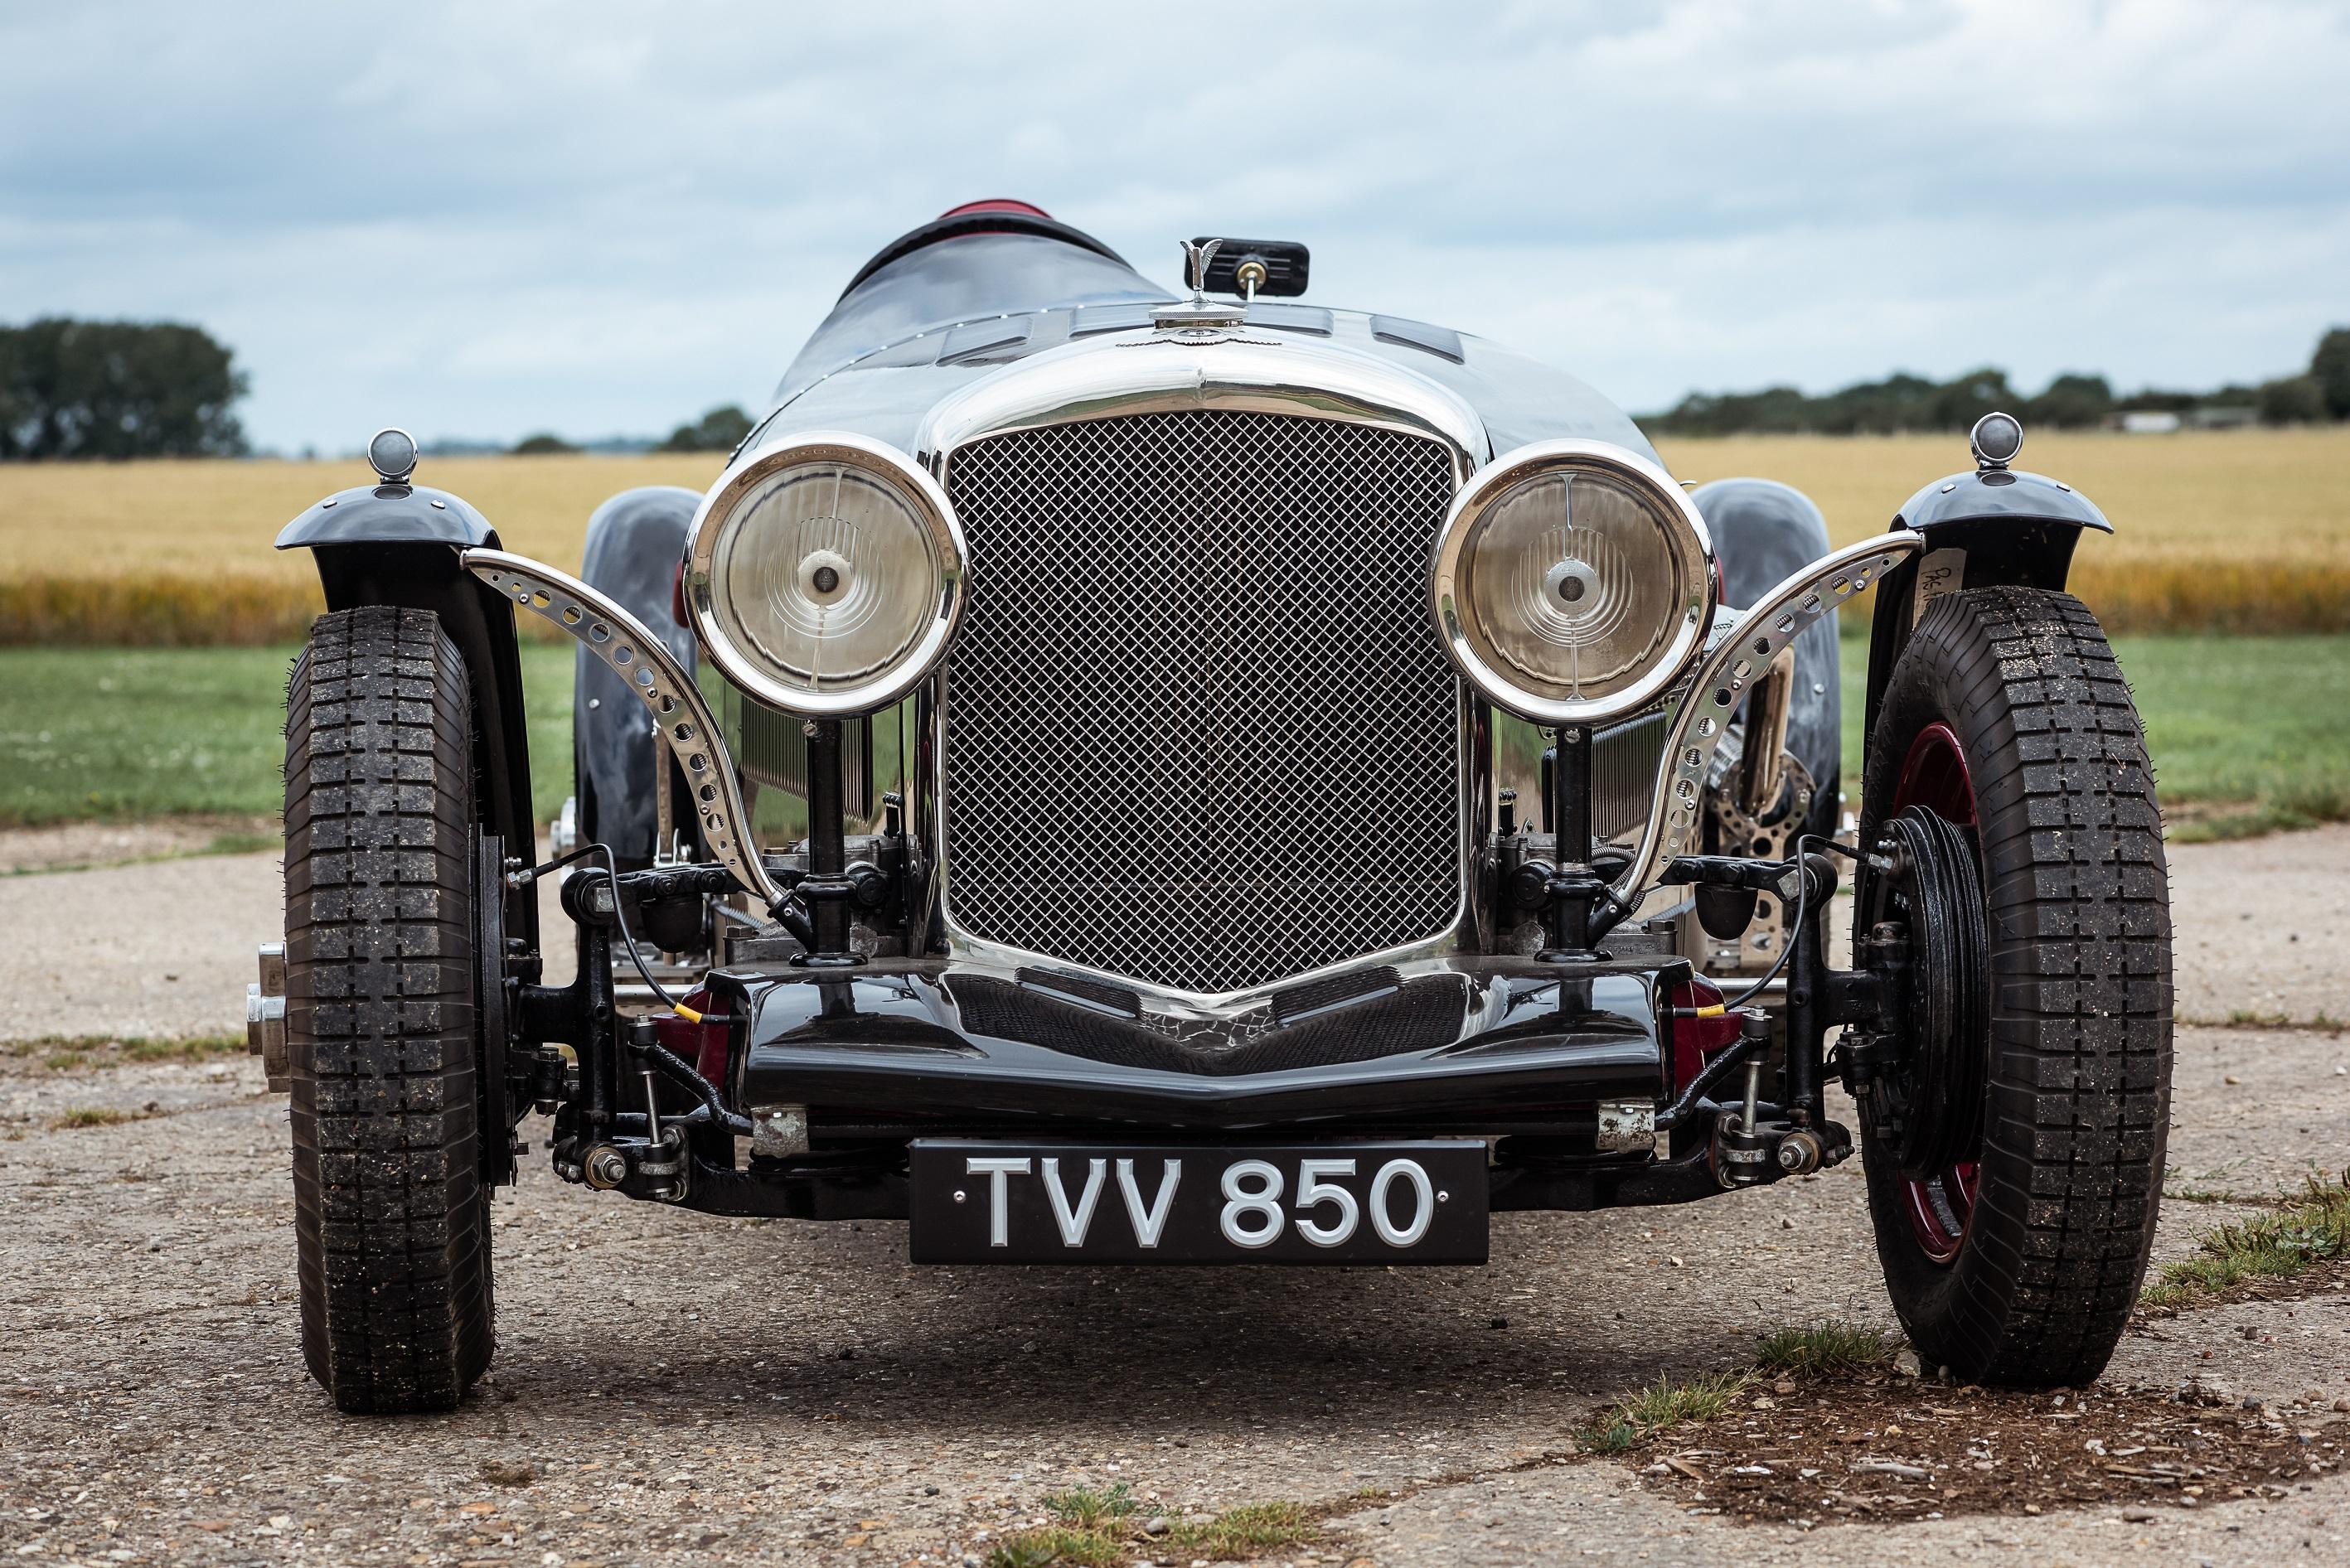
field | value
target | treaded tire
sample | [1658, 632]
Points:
[391, 1217]
[2077, 1096]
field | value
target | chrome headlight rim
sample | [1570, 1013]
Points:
[1689, 538]
[925, 499]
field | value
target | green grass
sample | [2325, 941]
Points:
[2314, 1228]
[1662, 1405]
[111, 734]
[61, 1051]
[2249, 734]
[1097, 1530]
[1834, 1346]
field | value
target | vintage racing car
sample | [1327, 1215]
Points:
[1114, 776]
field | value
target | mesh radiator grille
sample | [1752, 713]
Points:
[1197, 728]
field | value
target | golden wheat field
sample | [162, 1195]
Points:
[2236, 531]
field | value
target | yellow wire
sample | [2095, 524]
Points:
[690, 1016]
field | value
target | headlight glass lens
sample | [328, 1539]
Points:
[833, 581]
[1571, 584]
[1576, 590]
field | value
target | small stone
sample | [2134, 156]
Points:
[1500, 1321]
[1785, 1223]
[1156, 1525]
[2250, 1402]
[2313, 1395]
[1784, 1386]
[2138, 1516]
[2342, 1403]
[929, 1491]
[2232, 1078]
[1906, 1363]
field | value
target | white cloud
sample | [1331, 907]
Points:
[599, 217]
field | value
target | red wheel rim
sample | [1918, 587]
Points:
[1934, 776]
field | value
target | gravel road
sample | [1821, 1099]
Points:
[810, 1398]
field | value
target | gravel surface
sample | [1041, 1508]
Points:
[810, 1398]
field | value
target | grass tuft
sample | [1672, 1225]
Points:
[1663, 1404]
[192, 1048]
[1089, 1510]
[1096, 1530]
[91, 1117]
[66, 1052]
[1051, 1545]
[1247, 1530]
[1833, 1346]
[2313, 1227]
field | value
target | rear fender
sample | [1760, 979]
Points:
[635, 543]
[1764, 533]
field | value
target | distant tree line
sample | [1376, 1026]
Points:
[117, 389]
[2071, 401]
[720, 430]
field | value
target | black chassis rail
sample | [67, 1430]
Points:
[859, 1063]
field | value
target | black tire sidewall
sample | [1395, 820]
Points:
[332, 1125]
[1929, 1297]
[1992, 1313]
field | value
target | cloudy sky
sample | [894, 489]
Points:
[481, 219]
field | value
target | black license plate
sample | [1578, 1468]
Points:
[1420, 1202]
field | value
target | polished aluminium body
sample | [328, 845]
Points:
[1314, 763]
[1193, 366]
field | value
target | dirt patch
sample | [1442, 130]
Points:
[76, 846]
[2328, 1277]
[1814, 1451]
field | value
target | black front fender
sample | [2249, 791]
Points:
[1993, 527]
[397, 544]
[389, 515]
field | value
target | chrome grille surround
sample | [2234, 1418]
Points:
[1197, 731]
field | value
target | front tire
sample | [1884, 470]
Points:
[2014, 1253]
[391, 1216]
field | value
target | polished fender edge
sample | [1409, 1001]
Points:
[1720, 679]
[681, 716]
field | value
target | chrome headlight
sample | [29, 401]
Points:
[825, 573]
[1572, 581]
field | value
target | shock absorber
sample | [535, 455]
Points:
[1744, 1145]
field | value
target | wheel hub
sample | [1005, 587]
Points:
[1926, 1107]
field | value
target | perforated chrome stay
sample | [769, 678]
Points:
[1702, 712]
[1198, 729]
[681, 717]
